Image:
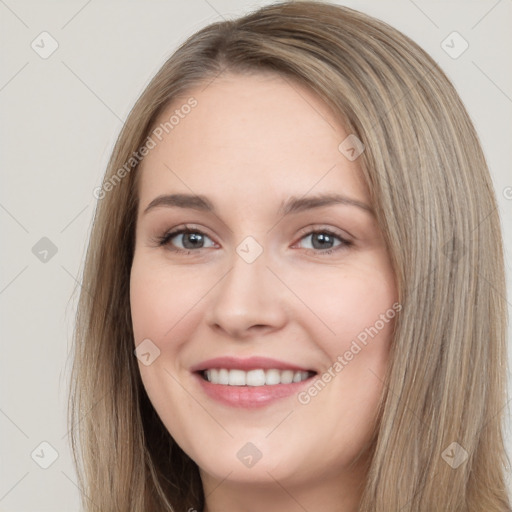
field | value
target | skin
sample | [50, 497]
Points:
[251, 142]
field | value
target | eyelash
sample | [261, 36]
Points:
[164, 240]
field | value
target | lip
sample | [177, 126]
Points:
[248, 397]
[250, 363]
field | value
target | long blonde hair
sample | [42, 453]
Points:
[434, 200]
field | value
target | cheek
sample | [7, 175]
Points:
[163, 300]
[347, 302]
[357, 308]
[361, 313]
[162, 309]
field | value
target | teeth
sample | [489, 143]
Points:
[273, 377]
[287, 377]
[237, 378]
[257, 377]
[223, 376]
[297, 376]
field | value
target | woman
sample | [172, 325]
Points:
[294, 290]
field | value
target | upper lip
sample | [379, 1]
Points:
[246, 364]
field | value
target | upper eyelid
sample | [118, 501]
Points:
[304, 232]
[321, 228]
[187, 229]
[345, 240]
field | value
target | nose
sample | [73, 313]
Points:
[248, 300]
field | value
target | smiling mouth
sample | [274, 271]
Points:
[256, 377]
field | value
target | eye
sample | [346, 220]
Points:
[323, 241]
[190, 239]
[187, 239]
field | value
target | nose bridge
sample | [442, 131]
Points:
[249, 294]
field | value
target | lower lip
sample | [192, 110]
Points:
[250, 396]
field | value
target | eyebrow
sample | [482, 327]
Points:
[291, 205]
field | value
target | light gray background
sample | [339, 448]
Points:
[59, 120]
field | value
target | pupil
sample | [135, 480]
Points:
[323, 238]
[195, 238]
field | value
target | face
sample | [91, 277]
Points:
[282, 300]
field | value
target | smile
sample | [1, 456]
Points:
[256, 377]
[252, 382]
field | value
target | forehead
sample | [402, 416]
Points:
[249, 134]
